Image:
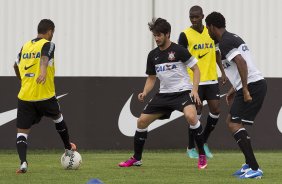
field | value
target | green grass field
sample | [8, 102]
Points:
[164, 167]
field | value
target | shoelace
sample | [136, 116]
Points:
[129, 160]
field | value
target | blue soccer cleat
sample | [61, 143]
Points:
[252, 174]
[192, 153]
[241, 171]
[207, 151]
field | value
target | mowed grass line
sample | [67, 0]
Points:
[159, 167]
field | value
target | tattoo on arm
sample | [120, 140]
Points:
[44, 61]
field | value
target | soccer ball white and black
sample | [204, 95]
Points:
[71, 162]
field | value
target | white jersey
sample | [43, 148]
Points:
[230, 46]
[170, 66]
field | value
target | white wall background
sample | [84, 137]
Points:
[111, 37]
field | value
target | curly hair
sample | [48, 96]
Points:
[216, 19]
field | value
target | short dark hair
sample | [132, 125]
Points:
[196, 8]
[159, 25]
[216, 19]
[45, 25]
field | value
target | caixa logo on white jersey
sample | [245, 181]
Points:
[165, 67]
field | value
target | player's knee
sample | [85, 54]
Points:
[215, 111]
[23, 131]
[191, 118]
[141, 123]
[233, 126]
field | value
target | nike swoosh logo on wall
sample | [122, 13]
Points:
[279, 120]
[127, 122]
[201, 56]
[26, 68]
[6, 117]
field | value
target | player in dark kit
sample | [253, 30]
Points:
[169, 63]
[35, 68]
[197, 40]
[248, 92]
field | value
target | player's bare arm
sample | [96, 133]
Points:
[150, 83]
[196, 81]
[43, 70]
[243, 71]
[219, 64]
[17, 71]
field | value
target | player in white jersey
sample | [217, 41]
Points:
[247, 94]
[168, 62]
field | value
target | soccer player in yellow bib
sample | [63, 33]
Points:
[35, 68]
[197, 40]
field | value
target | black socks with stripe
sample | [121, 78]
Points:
[244, 141]
[22, 147]
[62, 129]
[139, 141]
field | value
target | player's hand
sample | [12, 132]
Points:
[41, 78]
[195, 96]
[247, 96]
[141, 96]
[229, 98]
[224, 79]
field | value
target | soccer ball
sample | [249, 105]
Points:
[71, 162]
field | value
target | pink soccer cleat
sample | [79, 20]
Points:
[130, 162]
[202, 162]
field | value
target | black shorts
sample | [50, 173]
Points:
[166, 103]
[209, 92]
[30, 113]
[245, 112]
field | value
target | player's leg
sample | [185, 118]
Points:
[212, 118]
[51, 108]
[212, 96]
[139, 139]
[191, 149]
[245, 113]
[243, 140]
[26, 116]
[62, 130]
[240, 134]
[22, 135]
[157, 108]
[141, 133]
[211, 123]
[190, 114]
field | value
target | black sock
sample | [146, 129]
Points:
[62, 129]
[191, 139]
[22, 148]
[199, 138]
[244, 141]
[139, 141]
[211, 123]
